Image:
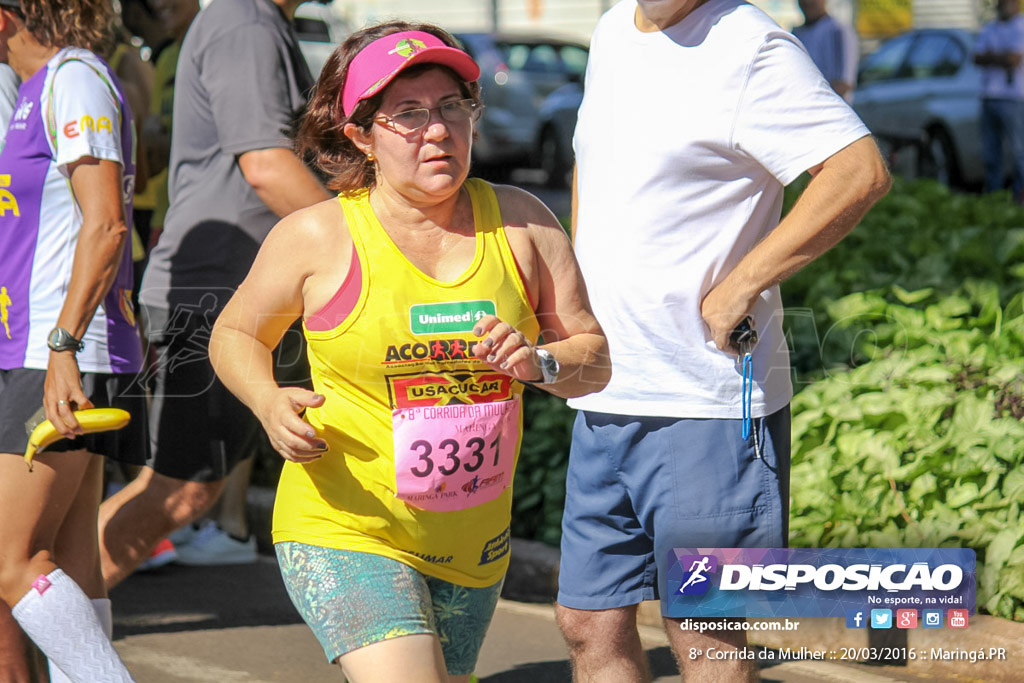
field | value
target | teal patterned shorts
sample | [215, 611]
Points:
[353, 599]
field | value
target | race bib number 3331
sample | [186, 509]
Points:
[456, 456]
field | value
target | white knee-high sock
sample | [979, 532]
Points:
[105, 614]
[60, 619]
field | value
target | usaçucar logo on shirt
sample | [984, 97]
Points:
[429, 390]
[451, 316]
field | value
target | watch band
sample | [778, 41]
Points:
[549, 368]
[60, 339]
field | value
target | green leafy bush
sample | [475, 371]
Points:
[911, 434]
[922, 446]
[539, 487]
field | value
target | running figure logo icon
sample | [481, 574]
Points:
[5, 302]
[696, 581]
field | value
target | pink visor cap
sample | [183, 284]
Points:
[378, 63]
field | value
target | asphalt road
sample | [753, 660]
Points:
[236, 624]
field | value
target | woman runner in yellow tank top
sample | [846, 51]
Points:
[423, 294]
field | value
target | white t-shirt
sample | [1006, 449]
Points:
[1002, 36]
[684, 143]
[70, 109]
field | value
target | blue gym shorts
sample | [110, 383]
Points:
[639, 486]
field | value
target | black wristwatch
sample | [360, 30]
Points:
[62, 340]
[549, 368]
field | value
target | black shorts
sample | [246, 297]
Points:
[21, 409]
[199, 431]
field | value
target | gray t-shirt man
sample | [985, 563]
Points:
[240, 84]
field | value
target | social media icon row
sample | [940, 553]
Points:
[905, 618]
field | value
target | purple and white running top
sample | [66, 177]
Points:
[72, 108]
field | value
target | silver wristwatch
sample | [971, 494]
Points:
[549, 368]
[60, 339]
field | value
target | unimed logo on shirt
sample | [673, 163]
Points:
[451, 316]
[24, 109]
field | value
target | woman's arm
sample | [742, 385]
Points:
[97, 189]
[299, 262]
[570, 331]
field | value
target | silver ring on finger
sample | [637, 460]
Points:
[62, 402]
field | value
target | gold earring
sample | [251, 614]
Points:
[370, 157]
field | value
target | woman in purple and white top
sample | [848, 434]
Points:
[68, 338]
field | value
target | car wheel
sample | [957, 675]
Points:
[554, 160]
[937, 158]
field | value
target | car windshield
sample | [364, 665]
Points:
[885, 63]
[935, 55]
[543, 58]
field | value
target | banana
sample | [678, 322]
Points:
[92, 420]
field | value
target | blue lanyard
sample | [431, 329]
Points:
[747, 394]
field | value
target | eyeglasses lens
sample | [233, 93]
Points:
[452, 112]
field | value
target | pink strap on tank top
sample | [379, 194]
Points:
[343, 302]
[345, 299]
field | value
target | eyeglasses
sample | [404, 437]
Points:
[411, 120]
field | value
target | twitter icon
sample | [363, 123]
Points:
[881, 618]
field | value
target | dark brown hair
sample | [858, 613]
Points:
[321, 139]
[71, 23]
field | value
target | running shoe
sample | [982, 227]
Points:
[211, 545]
[163, 554]
[183, 535]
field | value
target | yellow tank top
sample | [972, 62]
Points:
[405, 343]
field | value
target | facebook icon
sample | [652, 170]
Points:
[855, 618]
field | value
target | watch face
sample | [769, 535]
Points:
[61, 340]
[549, 367]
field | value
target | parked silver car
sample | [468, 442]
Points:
[518, 74]
[319, 31]
[919, 94]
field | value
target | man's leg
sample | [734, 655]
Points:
[992, 145]
[724, 492]
[231, 510]
[607, 563]
[702, 669]
[1015, 136]
[136, 518]
[18, 661]
[198, 430]
[604, 645]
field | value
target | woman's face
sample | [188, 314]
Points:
[430, 163]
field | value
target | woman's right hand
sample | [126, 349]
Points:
[290, 435]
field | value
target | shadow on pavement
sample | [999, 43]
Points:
[177, 598]
[660, 660]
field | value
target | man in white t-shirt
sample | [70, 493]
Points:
[998, 52]
[832, 46]
[696, 114]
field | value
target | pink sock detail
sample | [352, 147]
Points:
[41, 584]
